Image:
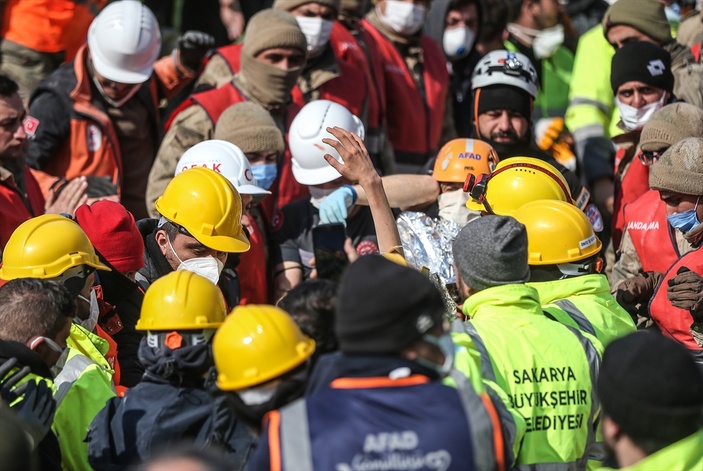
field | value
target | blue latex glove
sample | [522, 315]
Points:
[335, 207]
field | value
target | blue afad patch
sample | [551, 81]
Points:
[595, 217]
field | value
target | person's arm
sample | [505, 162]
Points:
[358, 167]
[404, 191]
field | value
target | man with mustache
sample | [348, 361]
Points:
[504, 88]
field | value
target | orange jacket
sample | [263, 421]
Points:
[72, 136]
[49, 25]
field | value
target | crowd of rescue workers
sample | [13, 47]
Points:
[351, 235]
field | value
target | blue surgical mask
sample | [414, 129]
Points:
[686, 220]
[265, 175]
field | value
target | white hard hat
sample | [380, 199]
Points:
[503, 67]
[224, 158]
[124, 41]
[305, 140]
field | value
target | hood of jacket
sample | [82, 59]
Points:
[514, 299]
[434, 23]
[593, 284]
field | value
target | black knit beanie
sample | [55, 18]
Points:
[383, 307]
[503, 97]
[650, 386]
[643, 62]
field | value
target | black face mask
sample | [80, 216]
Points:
[286, 392]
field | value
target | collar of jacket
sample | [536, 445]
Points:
[550, 291]
[25, 357]
[514, 299]
[89, 344]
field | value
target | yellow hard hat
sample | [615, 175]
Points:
[461, 157]
[258, 343]
[182, 300]
[516, 181]
[45, 247]
[557, 232]
[205, 204]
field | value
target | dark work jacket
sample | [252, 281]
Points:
[48, 449]
[162, 411]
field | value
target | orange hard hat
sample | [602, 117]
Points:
[461, 157]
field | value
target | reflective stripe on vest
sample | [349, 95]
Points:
[296, 452]
[576, 315]
[71, 371]
[593, 450]
[295, 437]
[487, 453]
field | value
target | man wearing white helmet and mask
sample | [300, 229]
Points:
[326, 144]
[252, 266]
[99, 116]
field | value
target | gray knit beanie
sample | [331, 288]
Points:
[250, 127]
[670, 125]
[491, 251]
[646, 16]
[289, 5]
[269, 29]
[680, 168]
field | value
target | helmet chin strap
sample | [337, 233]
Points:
[121, 101]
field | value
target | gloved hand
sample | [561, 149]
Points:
[335, 207]
[36, 410]
[638, 291]
[547, 131]
[8, 382]
[193, 46]
[686, 292]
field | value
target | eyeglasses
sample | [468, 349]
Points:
[648, 157]
[49, 343]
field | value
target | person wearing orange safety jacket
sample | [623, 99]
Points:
[273, 56]
[55, 248]
[562, 252]
[388, 405]
[547, 369]
[677, 177]
[416, 82]
[37, 37]
[99, 115]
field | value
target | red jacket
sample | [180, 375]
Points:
[414, 124]
[15, 207]
[672, 321]
[634, 184]
[253, 270]
[653, 238]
